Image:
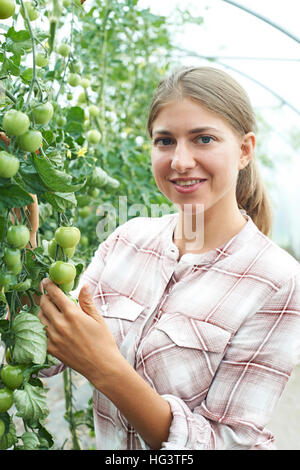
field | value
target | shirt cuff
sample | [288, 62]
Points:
[187, 431]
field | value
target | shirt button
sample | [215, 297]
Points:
[104, 307]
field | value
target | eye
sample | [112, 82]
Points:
[163, 142]
[206, 139]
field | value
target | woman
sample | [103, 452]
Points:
[189, 323]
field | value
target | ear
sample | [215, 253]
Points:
[247, 149]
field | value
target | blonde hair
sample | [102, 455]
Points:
[220, 93]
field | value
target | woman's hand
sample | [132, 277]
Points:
[78, 335]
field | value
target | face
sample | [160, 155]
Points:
[191, 143]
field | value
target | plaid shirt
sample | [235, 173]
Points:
[216, 334]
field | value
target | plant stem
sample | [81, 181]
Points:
[67, 377]
[33, 55]
[8, 94]
[103, 62]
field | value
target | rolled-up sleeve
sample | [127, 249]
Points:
[248, 383]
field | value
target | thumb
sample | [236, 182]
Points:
[86, 301]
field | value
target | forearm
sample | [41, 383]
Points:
[148, 413]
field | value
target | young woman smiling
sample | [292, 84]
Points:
[188, 341]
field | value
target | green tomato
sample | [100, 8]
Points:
[93, 192]
[32, 12]
[75, 67]
[2, 428]
[5, 280]
[84, 241]
[83, 200]
[7, 9]
[21, 286]
[64, 50]
[69, 96]
[84, 211]
[15, 122]
[16, 269]
[43, 113]
[6, 399]
[12, 256]
[12, 376]
[31, 141]
[61, 121]
[73, 79]
[81, 98]
[93, 136]
[9, 165]
[67, 237]
[67, 287]
[18, 236]
[93, 110]
[85, 83]
[41, 60]
[69, 252]
[61, 272]
[66, 3]
[99, 178]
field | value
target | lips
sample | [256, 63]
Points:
[187, 182]
[195, 183]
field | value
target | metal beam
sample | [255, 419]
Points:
[265, 19]
[215, 59]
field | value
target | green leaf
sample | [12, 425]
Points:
[10, 436]
[12, 195]
[18, 36]
[30, 441]
[30, 339]
[53, 179]
[75, 114]
[27, 75]
[61, 201]
[31, 404]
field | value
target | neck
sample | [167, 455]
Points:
[199, 233]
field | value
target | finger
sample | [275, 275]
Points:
[49, 309]
[57, 296]
[86, 301]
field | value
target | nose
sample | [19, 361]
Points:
[183, 159]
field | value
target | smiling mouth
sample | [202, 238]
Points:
[187, 183]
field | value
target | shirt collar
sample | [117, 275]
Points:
[236, 243]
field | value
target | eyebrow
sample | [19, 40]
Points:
[192, 131]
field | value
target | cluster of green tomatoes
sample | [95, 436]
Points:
[17, 238]
[61, 248]
[16, 124]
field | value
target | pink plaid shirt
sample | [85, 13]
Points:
[216, 334]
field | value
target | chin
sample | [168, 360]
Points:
[191, 208]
